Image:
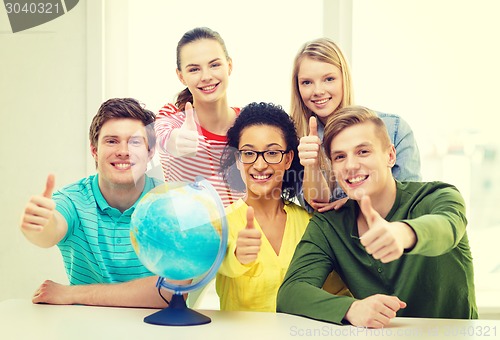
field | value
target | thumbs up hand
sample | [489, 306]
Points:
[385, 241]
[40, 209]
[248, 242]
[309, 146]
[186, 142]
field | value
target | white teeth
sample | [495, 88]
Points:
[356, 179]
[122, 166]
[208, 88]
[261, 176]
[322, 101]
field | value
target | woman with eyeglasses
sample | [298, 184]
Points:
[260, 159]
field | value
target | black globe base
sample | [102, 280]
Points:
[177, 314]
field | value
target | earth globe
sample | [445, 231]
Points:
[179, 232]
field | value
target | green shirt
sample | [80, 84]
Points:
[435, 278]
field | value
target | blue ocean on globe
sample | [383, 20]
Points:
[176, 231]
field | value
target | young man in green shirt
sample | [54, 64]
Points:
[401, 247]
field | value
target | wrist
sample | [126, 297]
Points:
[410, 238]
[349, 314]
[77, 295]
[312, 167]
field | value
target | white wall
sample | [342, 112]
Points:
[43, 118]
[434, 62]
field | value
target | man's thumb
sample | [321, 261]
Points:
[49, 186]
[313, 126]
[366, 208]
[250, 216]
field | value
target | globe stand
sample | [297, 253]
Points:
[144, 242]
[177, 314]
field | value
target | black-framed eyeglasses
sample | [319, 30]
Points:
[270, 156]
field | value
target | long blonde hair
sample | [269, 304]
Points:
[323, 50]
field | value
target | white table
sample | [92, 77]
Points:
[20, 319]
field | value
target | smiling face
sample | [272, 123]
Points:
[320, 87]
[361, 161]
[263, 180]
[204, 69]
[121, 153]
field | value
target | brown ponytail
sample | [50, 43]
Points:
[182, 98]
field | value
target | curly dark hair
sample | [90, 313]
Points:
[262, 114]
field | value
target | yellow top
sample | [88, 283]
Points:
[253, 287]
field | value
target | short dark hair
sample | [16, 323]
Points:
[122, 108]
[350, 116]
[262, 114]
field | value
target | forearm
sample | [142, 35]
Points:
[315, 186]
[302, 298]
[137, 293]
[436, 235]
[443, 227]
[301, 292]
